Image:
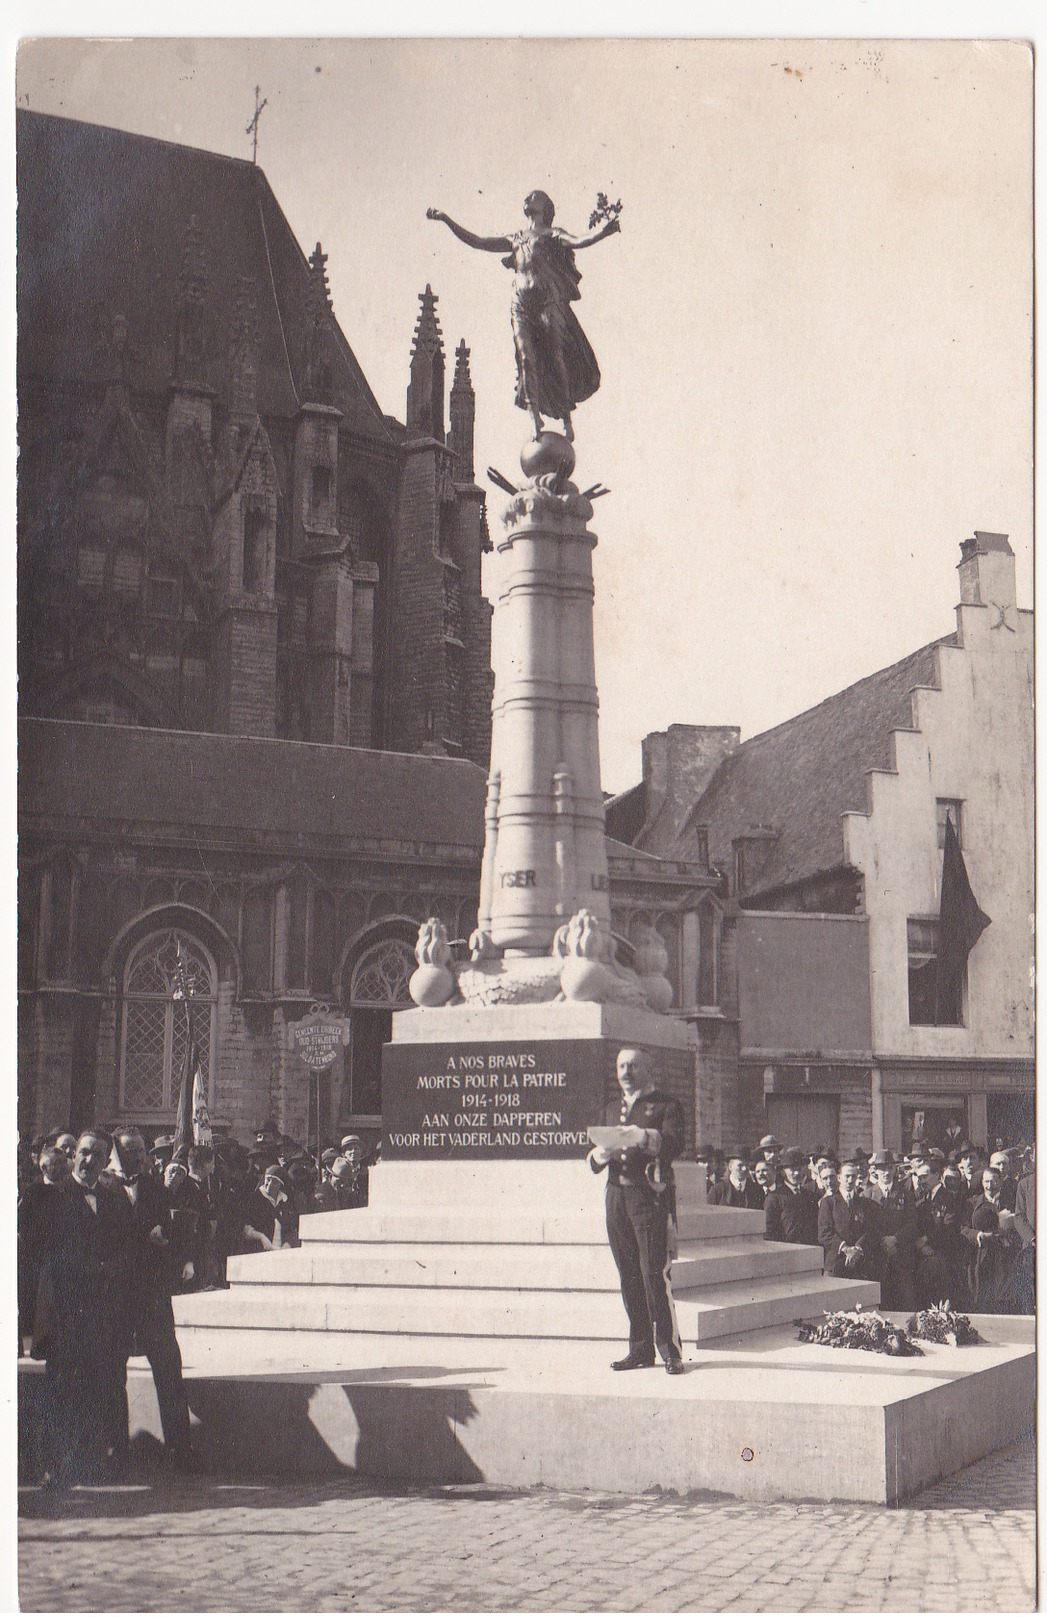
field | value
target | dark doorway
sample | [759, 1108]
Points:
[929, 1122]
[804, 1120]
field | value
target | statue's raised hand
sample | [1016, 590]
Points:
[434, 213]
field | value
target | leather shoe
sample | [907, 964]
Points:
[634, 1361]
[674, 1367]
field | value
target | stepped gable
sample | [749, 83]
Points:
[803, 775]
[71, 281]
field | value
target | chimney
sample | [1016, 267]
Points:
[678, 765]
[986, 571]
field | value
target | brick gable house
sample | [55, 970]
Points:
[827, 836]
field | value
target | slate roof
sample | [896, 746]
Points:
[102, 220]
[804, 774]
[243, 789]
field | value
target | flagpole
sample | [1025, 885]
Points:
[183, 1136]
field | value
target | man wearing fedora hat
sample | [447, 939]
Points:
[893, 1194]
[791, 1211]
[738, 1189]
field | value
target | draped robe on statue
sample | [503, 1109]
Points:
[554, 360]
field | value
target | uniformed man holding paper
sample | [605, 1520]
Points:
[638, 1156]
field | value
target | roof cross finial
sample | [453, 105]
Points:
[252, 128]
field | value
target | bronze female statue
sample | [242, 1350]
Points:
[555, 366]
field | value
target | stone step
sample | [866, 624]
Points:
[754, 1305]
[550, 1226]
[761, 1417]
[711, 1311]
[514, 1266]
[709, 1263]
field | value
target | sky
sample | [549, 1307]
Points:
[814, 330]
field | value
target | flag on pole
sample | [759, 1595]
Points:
[183, 1134]
[960, 925]
[201, 1120]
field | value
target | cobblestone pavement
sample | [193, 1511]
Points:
[202, 1544]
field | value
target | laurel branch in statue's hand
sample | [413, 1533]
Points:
[605, 210]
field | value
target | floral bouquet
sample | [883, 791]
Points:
[940, 1324]
[858, 1329]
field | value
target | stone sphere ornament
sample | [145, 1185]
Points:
[548, 455]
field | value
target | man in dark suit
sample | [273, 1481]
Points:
[150, 1282]
[849, 1228]
[738, 1189]
[791, 1211]
[639, 1205]
[892, 1193]
[940, 1247]
[85, 1333]
[1025, 1225]
[35, 1211]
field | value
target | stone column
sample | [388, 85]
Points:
[550, 859]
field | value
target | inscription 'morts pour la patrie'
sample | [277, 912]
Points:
[528, 1099]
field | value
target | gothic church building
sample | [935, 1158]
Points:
[254, 655]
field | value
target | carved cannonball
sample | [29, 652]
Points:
[549, 452]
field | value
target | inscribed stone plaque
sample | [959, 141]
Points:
[488, 1100]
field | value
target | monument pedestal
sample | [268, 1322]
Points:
[519, 1083]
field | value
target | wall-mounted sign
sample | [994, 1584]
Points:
[319, 1037]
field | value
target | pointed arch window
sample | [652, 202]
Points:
[153, 1024]
[381, 976]
[377, 988]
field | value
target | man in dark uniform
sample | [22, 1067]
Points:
[639, 1204]
[791, 1211]
[849, 1228]
[892, 1193]
[152, 1234]
[86, 1335]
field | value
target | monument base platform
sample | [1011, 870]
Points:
[757, 1416]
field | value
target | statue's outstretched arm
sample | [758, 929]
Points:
[486, 244]
[610, 229]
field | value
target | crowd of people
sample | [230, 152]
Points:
[929, 1226]
[110, 1227]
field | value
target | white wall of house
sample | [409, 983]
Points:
[973, 741]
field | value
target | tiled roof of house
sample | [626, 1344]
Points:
[102, 222]
[803, 775]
